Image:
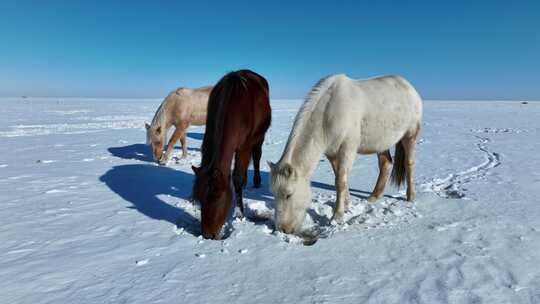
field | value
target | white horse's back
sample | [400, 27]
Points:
[374, 113]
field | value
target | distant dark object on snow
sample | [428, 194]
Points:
[524, 102]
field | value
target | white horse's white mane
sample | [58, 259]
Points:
[310, 103]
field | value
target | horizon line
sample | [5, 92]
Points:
[288, 98]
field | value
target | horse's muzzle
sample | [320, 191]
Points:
[288, 229]
[211, 236]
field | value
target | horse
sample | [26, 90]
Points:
[342, 117]
[181, 108]
[239, 115]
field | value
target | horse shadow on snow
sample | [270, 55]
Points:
[141, 184]
[195, 135]
[140, 152]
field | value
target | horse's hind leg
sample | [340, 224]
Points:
[256, 154]
[183, 141]
[241, 163]
[385, 166]
[409, 145]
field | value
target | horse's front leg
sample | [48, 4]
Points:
[170, 146]
[342, 166]
[241, 163]
[256, 154]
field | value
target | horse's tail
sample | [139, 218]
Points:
[398, 171]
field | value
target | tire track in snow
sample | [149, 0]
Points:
[452, 185]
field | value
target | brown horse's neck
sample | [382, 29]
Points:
[224, 161]
[219, 154]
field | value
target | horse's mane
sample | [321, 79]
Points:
[304, 113]
[160, 116]
[218, 102]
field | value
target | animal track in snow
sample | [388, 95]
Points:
[192, 158]
[52, 191]
[360, 214]
[444, 227]
[46, 161]
[498, 130]
[141, 262]
[69, 112]
[452, 185]
[70, 128]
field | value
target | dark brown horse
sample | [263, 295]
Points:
[238, 116]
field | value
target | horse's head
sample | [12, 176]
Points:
[211, 189]
[292, 195]
[155, 137]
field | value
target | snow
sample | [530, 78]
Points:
[87, 217]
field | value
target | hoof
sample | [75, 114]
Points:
[163, 161]
[373, 199]
[238, 213]
[338, 218]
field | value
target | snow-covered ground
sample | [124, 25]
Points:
[86, 217]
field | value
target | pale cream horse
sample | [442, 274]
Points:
[340, 118]
[181, 108]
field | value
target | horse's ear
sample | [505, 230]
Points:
[218, 181]
[195, 170]
[288, 171]
[271, 165]
[147, 126]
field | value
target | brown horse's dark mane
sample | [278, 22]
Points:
[231, 85]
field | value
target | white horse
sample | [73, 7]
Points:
[181, 108]
[340, 118]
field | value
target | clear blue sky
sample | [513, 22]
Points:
[447, 49]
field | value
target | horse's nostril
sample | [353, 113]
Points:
[286, 229]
